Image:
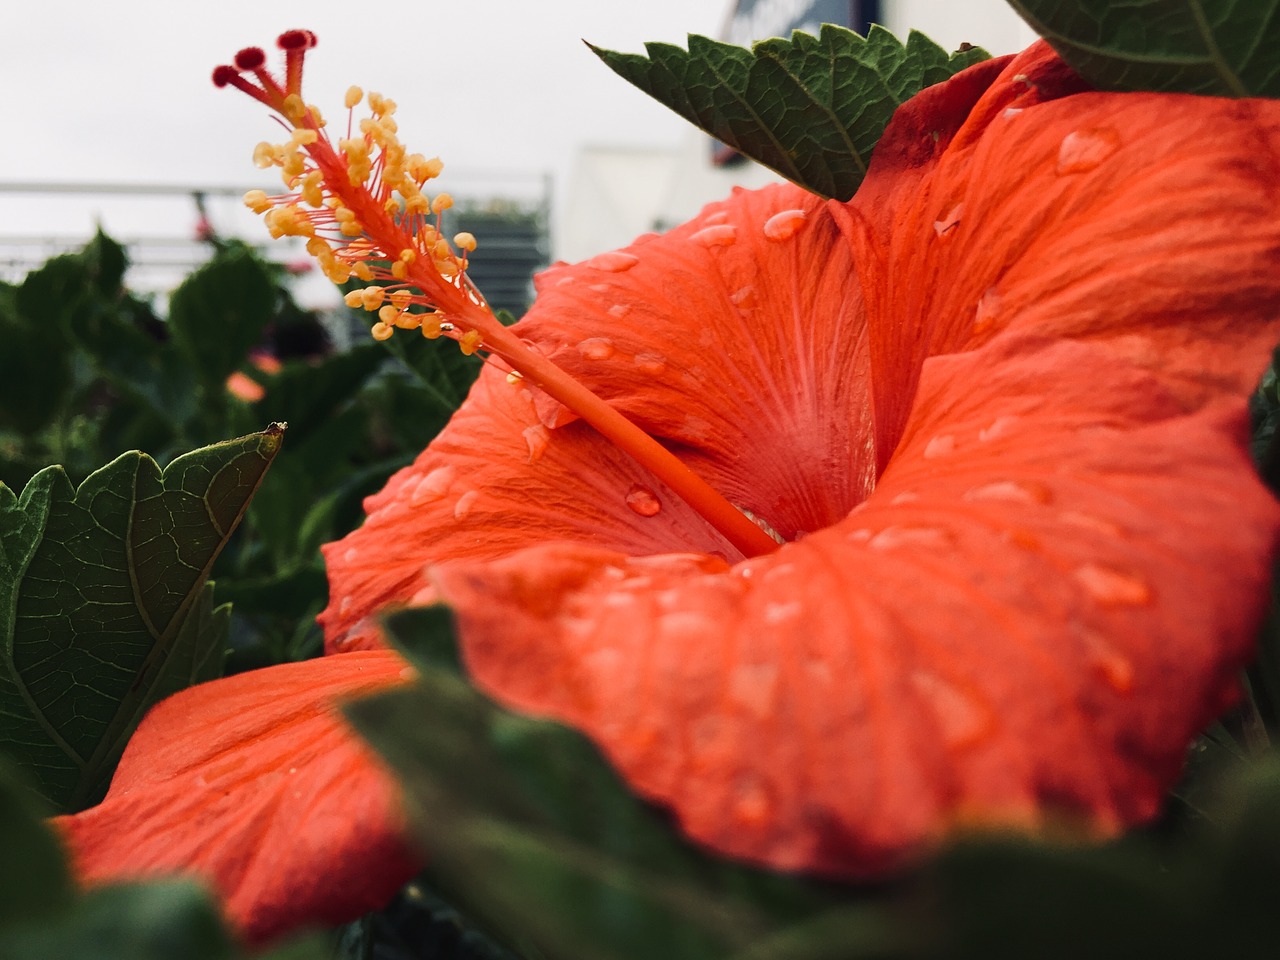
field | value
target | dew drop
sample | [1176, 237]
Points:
[1000, 426]
[537, 438]
[643, 501]
[950, 220]
[962, 717]
[350, 554]
[433, 486]
[775, 613]
[1089, 522]
[344, 606]
[719, 235]
[650, 363]
[615, 261]
[752, 687]
[720, 216]
[907, 496]
[1011, 112]
[743, 296]
[1026, 492]
[939, 446]
[465, 504]
[619, 310]
[987, 311]
[1115, 669]
[751, 804]
[1084, 150]
[929, 538]
[784, 225]
[1112, 588]
[596, 348]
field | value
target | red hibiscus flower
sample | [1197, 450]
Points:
[994, 409]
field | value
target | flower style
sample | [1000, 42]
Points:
[993, 409]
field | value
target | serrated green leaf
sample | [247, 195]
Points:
[98, 590]
[810, 108]
[1221, 48]
[533, 834]
[220, 311]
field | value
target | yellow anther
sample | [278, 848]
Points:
[356, 149]
[353, 97]
[337, 271]
[257, 201]
[352, 228]
[408, 255]
[419, 204]
[441, 203]
[447, 268]
[409, 321]
[343, 214]
[388, 314]
[295, 163]
[318, 248]
[313, 188]
[354, 299]
[316, 116]
[441, 249]
[400, 270]
[465, 241]
[304, 137]
[266, 155]
[361, 271]
[431, 326]
[392, 206]
[400, 299]
[293, 107]
[470, 342]
[372, 297]
[381, 331]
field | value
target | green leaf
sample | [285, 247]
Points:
[307, 394]
[810, 108]
[1221, 48]
[34, 881]
[533, 834]
[103, 603]
[220, 311]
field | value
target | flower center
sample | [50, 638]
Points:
[361, 206]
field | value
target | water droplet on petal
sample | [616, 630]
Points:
[1113, 588]
[537, 438]
[1115, 669]
[751, 804]
[1000, 427]
[651, 363]
[615, 261]
[752, 687]
[907, 496]
[779, 612]
[784, 225]
[349, 555]
[963, 718]
[433, 486]
[939, 446]
[345, 605]
[1027, 492]
[929, 538]
[596, 348]
[619, 310]
[719, 235]
[950, 220]
[1088, 522]
[987, 311]
[643, 501]
[465, 504]
[1011, 112]
[1084, 150]
[720, 216]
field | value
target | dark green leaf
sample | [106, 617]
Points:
[306, 394]
[220, 311]
[98, 588]
[1218, 47]
[811, 108]
[533, 834]
[33, 882]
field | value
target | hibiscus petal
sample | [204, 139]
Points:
[1143, 221]
[255, 784]
[1048, 594]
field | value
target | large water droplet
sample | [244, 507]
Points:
[939, 446]
[619, 310]
[643, 501]
[961, 715]
[1029, 492]
[466, 503]
[1084, 150]
[752, 687]
[349, 555]
[433, 486]
[784, 225]
[615, 261]
[987, 312]
[929, 538]
[719, 235]
[775, 613]
[1000, 427]
[950, 220]
[537, 438]
[650, 363]
[1113, 588]
[596, 348]
[751, 804]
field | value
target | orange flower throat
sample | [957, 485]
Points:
[362, 208]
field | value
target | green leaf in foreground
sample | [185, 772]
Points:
[104, 607]
[533, 835]
[1216, 47]
[811, 108]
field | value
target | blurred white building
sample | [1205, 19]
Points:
[618, 192]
